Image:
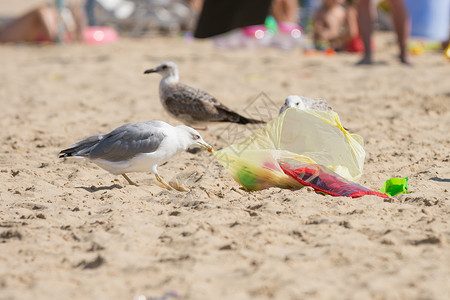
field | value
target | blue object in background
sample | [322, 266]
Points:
[430, 19]
[89, 6]
[60, 4]
[307, 10]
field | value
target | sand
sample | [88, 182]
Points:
[70, 230]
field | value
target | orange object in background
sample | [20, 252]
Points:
[330, 52]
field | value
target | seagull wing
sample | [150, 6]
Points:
[128, 141]
[320, 104]
[317, 104]
[83, 147]
[180, 99]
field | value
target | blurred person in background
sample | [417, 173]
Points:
[402, 26]
[308, 9]
[220, 16]
[41, 24]
[336, 27]
[329, 25]
[285, 10]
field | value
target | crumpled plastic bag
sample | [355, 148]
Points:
[306, 136]
[325, 181]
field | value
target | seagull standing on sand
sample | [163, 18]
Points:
[190, 105]
[136, 147]
[304, 103]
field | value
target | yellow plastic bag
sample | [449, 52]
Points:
[309, 136]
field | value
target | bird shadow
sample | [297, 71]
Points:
[440, 179]
[194, 150]
[93, 189]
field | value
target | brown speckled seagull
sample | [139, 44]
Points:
[190, 105]
[305, 103]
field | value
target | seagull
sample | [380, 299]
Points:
[304, 103]
[190, 105]
[136, 147]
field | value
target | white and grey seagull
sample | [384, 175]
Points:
[190, 105]
[301, 102]
[136, 147]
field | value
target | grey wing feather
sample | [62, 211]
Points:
[83, 147]
[127, 141]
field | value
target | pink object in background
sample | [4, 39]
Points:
[99, 35]
[255, 36]
[293, 29]
[255, 31]
[288, 37]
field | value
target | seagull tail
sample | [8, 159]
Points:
[82, 148]
[234, 117]
[243, 120]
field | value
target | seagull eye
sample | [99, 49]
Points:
[164, 67]
[297, 103]
[196, 137]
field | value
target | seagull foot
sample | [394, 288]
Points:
[164, 183]
[129, 180]
[179, 187]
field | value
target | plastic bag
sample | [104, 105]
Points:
[323, 180]
[307, 136]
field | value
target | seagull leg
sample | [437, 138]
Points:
[163, 182]
[128, 179]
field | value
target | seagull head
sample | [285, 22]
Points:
[194, 138]
[165, 69]
[292, 101]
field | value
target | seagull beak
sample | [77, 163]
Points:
[206, 146]
[155, 70]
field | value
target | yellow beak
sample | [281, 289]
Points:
[206, 146]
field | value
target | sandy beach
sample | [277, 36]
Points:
[71, 230]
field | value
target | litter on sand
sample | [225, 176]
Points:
[395, 186]
[322, 179]
[329, 157]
